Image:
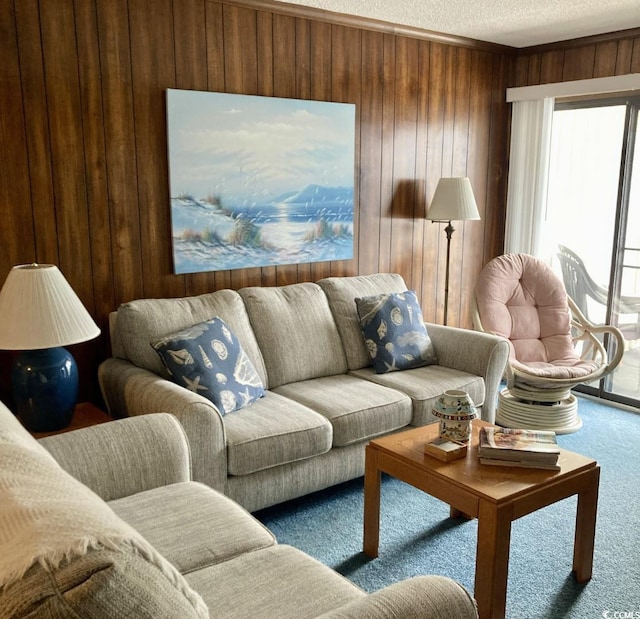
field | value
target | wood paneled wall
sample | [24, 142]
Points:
[83, 159]
[600, 56]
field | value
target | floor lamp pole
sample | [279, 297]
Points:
[449, 230]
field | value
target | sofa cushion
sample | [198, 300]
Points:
[280, 582]
[394, 331]
[218, 530]
[207, 358]
[357, 409]
[425, 385]
[274, 430]
[140, 322]
[341, 293]
[52, 521]
[296, 331]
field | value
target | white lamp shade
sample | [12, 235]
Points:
[453, 201]
[39, 309]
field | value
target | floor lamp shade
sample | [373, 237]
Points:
[40, 315]
[453, 200]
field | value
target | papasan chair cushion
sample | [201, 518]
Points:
[520, 298]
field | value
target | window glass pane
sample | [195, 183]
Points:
[583, 189]
[630, 284]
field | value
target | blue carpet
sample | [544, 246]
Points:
[417, 536]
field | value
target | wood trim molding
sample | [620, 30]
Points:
[580, 42]
[367, 23]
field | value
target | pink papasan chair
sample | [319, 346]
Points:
[553, 346]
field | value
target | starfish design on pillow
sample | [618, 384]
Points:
[391, 367]
[194, 385]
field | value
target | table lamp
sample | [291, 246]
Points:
[40, 314]
[452, 201]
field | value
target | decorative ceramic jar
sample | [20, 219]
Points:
[456, 411]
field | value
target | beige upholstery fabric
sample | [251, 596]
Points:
[144, 321]
[296, 332]
[407, 600]
[272, 431]
[191, 538]
[133, 391]
[341, 293]
[103, 584]
[357, 410]
[281, 483]
[277, 583]
[425, 385]
[481, 354]
[121, 458]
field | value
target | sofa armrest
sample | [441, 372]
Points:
[421, 597]
[482, 354]
[129, 390]
[124, 457]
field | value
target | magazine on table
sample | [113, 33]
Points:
[525, 464]
[522, 445]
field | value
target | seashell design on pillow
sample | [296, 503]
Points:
[228, 399]
[396, 316]
[227, 333]
[372, 347]
[181, 357]
[205, 358]
[245, 372]
[220, 349]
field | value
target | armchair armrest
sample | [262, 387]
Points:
[587, 332]
[482, 354]
[123, 457]
[129, 390]
[421, 597]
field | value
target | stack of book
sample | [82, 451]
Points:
[536, 449]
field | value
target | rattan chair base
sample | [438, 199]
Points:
[561, 417]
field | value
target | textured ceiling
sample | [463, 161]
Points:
[518, 23]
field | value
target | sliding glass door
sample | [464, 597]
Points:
[593, 224]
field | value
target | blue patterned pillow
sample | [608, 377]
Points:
[207, 358]
[394, 331]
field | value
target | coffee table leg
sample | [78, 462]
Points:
[492, 559]
[371, 503]
[586, 528]
[456, 513]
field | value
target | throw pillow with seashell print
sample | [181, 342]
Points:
[207, 358]
[394, 332]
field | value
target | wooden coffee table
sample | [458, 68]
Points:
[495, 495]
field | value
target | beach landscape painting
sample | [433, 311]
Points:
[259, 181]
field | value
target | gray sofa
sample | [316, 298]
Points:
[106, 523]
[323, 402]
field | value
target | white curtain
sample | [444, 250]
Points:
[528, 176]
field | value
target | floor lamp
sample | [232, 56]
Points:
[40, 314]
[452, 201]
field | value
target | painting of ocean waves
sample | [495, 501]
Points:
[259, 181]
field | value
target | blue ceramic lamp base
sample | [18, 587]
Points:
[45, 388]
